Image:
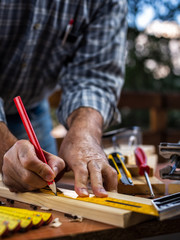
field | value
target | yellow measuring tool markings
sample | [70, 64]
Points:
[11, 224]
[15, 219]
[36, 220]
[24, 223]
[113, 202]
[3, 229]
[46, 217]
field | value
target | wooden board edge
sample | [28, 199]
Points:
[113, 216]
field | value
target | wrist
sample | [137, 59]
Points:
[7, 140]
[86, 120]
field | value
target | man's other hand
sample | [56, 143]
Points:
[81, 149]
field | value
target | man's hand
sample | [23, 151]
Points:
[81, 150]
[21, 168]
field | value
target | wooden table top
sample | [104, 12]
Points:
[88, 229]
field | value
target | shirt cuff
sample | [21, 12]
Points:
[86, 98]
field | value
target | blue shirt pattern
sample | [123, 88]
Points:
[89, 67]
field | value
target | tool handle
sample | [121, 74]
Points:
[113, 164]
[141, 161]
[29, 129]
[127, 172]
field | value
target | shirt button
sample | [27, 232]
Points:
[36, 26]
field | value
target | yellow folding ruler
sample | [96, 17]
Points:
[18, 219]
[112, 202]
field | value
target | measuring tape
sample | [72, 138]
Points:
[18, 219]
[112, 202]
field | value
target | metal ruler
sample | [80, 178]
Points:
[112, 202]
[168, 206]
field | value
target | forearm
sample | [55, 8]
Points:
[7, 140]
[86, 120]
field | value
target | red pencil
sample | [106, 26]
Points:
[32, 136]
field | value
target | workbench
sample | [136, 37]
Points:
[88, 229]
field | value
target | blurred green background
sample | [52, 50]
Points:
[153, 55]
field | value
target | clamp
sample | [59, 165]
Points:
[170, 151]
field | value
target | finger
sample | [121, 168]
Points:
[56, 163]
[12, 177]
[21, 179]
[14, 186]
[32, 181]
[110, 178]
[81, 178]
[29, 160]
[25, 185]
[96, 179]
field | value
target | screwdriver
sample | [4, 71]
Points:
[116, 160]
[141, 161]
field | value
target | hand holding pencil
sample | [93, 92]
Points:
[24, 169]
[32, 136]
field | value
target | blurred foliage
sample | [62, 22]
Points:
[143, 49]
[156, 52]
[150, 61]
[174, 119]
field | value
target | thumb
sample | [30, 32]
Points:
[29, 160]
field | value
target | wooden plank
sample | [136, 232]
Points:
[152, 161]
[113, 216]
[173, 187]
[128, 152]
[140, 187]
[134, 170]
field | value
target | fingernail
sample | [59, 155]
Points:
[84, 192]
[102, 190]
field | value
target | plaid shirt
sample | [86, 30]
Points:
[89, 66]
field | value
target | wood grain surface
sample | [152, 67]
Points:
[114, 216]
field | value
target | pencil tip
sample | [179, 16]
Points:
[53, 188]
